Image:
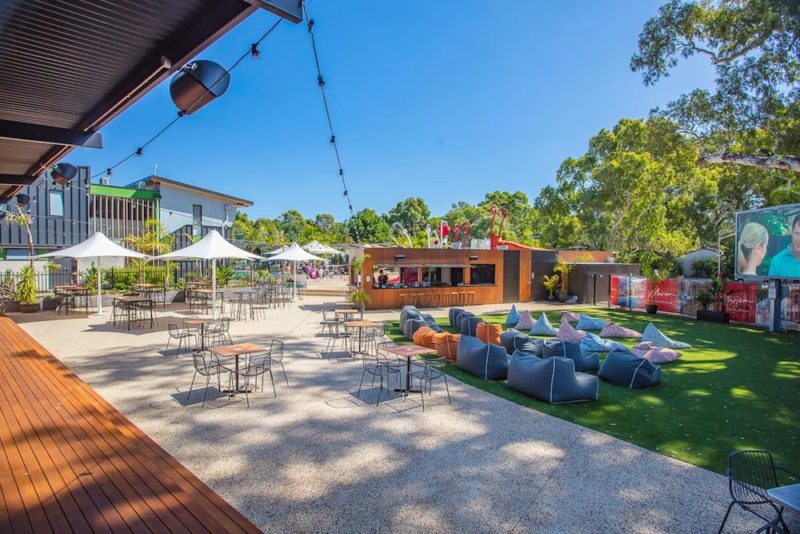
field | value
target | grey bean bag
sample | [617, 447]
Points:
[454, 316]
[431, 322]
[489, 362]
[513, 339]
[520, 354]
[552, 380]
[469, 324]
[408, 312]
[412, 325]
[570, 349]
[624, 368]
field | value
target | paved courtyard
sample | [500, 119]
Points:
[318, 459]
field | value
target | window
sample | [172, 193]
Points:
[197, 220]
[481, 273]
[57, 203]
[17, 254]
[392, 275]
[409, 275]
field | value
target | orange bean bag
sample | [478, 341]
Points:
[419, 336]
[447, 346]
[489, 333]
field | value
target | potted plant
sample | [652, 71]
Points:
[25, 292]
[357, 265]
[714, 296]
[654, 277]
[563, 269]
[551, 284]
[359, 298]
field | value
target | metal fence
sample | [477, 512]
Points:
[747, 303]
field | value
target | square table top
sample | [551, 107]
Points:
[409, 350]
[146, 285]
[200, 320]
[346, 311]
[229, 351]
[131, 298]
[789, 496]
[71, 287]
[359, 324]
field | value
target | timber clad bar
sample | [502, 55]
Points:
[394, 277]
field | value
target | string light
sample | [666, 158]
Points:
[255, 53]
[321, 83]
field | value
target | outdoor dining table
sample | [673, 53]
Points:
[234, 351]
[360, 326]
[129, 303]
[242, 304]
[345, 312]
[788, 496]
[201, 322]
[409, 351]
[70, 291]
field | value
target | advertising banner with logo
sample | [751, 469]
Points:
[740, 302]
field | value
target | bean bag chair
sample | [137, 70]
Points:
[408, 312]
[489, 362]
[589, 323]
[423, 336]
[513, 316]
[567, 333]
[658, 339]
[552, 380]
[412, 325]
[525, 321]
[447, 345]
[572, 317]
[594, 343]
[624, 368]
[519, 353]
[469, 324]
[431, 322]
[615, 330]
[571, 350]
[543, 327]
[452, 315]
[653, 354]
[513, 340]
[488, 333]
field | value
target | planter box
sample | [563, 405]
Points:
[652, 309]
[49, 304]
[713, 316]
[29, 308]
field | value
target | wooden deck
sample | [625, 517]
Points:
[69, 461]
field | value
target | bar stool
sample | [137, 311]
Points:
[453, 298]
[471, 297]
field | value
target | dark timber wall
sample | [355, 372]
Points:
[511, 275]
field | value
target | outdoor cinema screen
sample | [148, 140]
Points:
[768, 243]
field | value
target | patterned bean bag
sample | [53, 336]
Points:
[615, 330]
[658, 339]
[447, 346]
[589, 323]
[567, 333]
[572, 317]
[431, 322]
[624, 368]
[513, 316]
[525, 321]
[488, 333]
[423, 336]
[543, 327]
[655, 354]
[594, 343]
[552, 380]
[571, 350]
[469, 324]
[453, 316]
[489, 362]
[514, 340]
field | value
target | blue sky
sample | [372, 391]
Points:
[445, 100]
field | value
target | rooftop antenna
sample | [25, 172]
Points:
[155, 169]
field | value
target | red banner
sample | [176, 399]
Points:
[614, 297]
[740, 302]
[666, 295]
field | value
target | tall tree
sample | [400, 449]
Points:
[292, 223]
[753, 117]
[411, 213]
[369, 227]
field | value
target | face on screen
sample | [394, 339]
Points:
[768, 242]
[796, 237]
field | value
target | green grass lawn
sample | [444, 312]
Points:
[736, 388]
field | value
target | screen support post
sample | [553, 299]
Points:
[775, 305]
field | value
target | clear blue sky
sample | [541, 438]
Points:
[445, 100]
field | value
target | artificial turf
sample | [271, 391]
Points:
[736, 388]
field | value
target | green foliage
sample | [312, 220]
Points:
[551, 283]
[25, 292]
[369, 227]
[412, 214]
[704, 267]
[225, 274]
[153, 240]
[358, 262]
[359, 297]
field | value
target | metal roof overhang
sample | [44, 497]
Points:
[71, 66]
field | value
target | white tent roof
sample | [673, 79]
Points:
[277, 250]
[96, 246]
[295, 253]
[212, 246]
[315, 247]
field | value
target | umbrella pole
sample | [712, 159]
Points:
[294, 278]
[99, 288]
[214, 288]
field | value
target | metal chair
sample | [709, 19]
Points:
[207, 364]
[258, 364]
[276, 356]
[329, 320]
[750, 474]
[427, 372]
[219, 333]
[376, 366]
[176, 332]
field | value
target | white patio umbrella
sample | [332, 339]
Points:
[294, 254]
[96, 246]
[212, 247]
[277, 250]
[315, 247]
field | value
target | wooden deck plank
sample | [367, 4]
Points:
[88, 464]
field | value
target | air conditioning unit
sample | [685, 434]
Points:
[104, 180]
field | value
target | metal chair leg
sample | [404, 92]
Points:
[208, 380]
[273, 384]
[363, 372]
[725, 519]
[283, 369]
[447, 388]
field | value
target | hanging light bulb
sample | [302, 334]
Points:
[139, 152]
[255, 52]
[197, 84]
